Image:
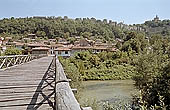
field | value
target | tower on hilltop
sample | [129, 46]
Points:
[156, 19]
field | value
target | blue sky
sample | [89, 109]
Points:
[129, 11]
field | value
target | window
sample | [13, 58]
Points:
[66, 52]
[59, 52]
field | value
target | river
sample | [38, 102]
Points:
[111, 91]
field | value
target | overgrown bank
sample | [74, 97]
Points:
[101, 66]
[147, 62]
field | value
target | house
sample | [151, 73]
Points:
[46, 42]
[69, 51]
[100, 44]
[99, 49]
[113, 49]
[63, 51]
[3, 41]
[40, 50]
[3, 48]
[77, 37]
[33, 45]
[80, 48]
[32, 36]
[49, 41]
[84, 42]
[8, 39]
[52, 40]
[62, 41]
[55, 46]
[18, 45]
[98, 41]
[26, 40]
[81, 45]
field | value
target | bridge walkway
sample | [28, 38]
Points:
[29, 86]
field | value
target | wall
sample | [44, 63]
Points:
[62, 53]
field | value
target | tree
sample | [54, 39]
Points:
[53, 27]
[40, 33]
[12, 51]
[145, 69]
[155, 95]
[86, 34]
[66, 35]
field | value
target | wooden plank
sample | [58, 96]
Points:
[31, 83]
[21, 86]
[26, 106]
[25, 101]
[10, 98]
[30, 93]
[45, 106]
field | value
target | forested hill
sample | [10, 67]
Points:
[53, 27]
[157, 27]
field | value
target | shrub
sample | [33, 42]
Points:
[13, 51]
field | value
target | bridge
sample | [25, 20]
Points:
[35, 83]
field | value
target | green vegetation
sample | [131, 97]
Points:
[157, 27]
[143, 57]
[109, 65]
[58, 27]
[91, 103]
[118, 105]
[152, 75]
[12, 51]
[145, 60]
[102, 66]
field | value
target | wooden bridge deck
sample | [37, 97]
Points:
[25, 87]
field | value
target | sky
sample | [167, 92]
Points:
[127, 11]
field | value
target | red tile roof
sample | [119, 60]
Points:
[40, 48]
[18, 43]
[57, 45]
[37, 45]
[63, 48]
[82, 47]
[100, 48]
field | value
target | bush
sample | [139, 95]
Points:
[13, 51]
[102, 66]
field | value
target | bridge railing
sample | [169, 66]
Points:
[12, 60]
[65, 99]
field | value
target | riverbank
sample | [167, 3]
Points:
[111, 91]
[102, 66]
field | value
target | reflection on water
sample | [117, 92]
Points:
[110, 91]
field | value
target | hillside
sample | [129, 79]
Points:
[53, 27]
[157, 26]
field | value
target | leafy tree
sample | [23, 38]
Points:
[53, 27]
[40, 33]
[12, 51]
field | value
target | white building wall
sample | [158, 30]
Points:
[63, 53]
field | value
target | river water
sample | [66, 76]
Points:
[110, 91]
